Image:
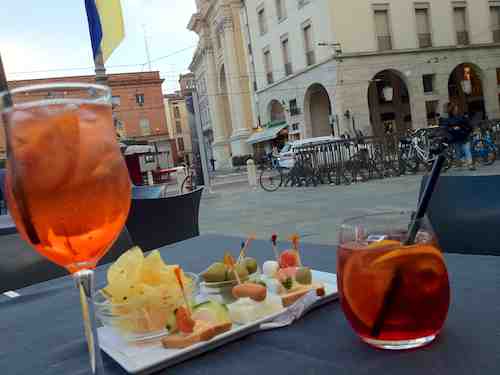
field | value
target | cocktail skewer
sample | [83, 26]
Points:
[274, 242]
[244, 247]
[229, 261]
[295, 238]
[177, 272]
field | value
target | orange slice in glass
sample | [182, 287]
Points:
[365, 286]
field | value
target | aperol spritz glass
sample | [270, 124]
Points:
[67, 185]
[395, 296]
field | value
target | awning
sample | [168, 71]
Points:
[139, 149]
[266, 135]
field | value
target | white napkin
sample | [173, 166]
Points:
[293, 312]
[11, 294]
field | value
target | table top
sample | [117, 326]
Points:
[42, 333]
[7, 225]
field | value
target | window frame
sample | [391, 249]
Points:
[285, 38]
[432, 82]
[494, 27]
[178, 126]
[461, 5]
[385, 7]
[139, 102]
[303, 26]
[263, 27]
[281, 13]
[428, 8]
[142, 121]
[269, 69]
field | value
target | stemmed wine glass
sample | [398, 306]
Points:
[67, 185]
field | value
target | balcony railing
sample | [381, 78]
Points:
[462, 38]
[270, 78]
[424, 40]
[384, 43]
[288, 69]
[311, 58]
[496, 36]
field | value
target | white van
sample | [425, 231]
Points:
[287, 154]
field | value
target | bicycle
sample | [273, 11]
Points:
[271, 176]
[483, 148]
[419, 149]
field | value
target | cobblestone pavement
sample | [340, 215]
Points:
[314, 213]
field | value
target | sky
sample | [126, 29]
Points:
[50, 38]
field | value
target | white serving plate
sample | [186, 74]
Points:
[146, 358]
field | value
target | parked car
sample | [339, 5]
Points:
[288, 152]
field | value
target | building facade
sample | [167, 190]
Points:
[293, 66]
[220, 62]
[178, 126]
[339, 67]
[402, 60]
[138, 110]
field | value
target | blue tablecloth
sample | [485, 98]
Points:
[41, 331]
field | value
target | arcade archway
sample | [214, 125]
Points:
[389, 103]
[317, 111]
[465, 88]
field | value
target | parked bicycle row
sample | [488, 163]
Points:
[348, 161]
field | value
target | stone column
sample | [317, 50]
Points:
[417, 101]
[442, 80]
[221, 142]
[235, 90]
[490, 93]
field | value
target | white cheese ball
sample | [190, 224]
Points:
[270, 268]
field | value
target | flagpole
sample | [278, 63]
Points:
[100, 70]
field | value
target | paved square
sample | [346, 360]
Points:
[314, 213]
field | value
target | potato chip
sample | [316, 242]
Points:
[144, 291]
[127, 268]
[151, 268]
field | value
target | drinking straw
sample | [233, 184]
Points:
[415, 225]
[17, 185]
[425, 199]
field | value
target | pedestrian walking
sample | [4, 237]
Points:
[212, 163]
[459, 129]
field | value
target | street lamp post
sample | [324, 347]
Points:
[201, 143]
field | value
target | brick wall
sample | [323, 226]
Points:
[125, 86]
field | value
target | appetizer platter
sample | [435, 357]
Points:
[153, 315]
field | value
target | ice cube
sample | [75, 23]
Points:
[88, 115]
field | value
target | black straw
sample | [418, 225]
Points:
[395, 284]
[389, 299]
[17, 185]
[423, 205]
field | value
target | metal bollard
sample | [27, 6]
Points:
[150, 178]
[252, 173]
[181, 175]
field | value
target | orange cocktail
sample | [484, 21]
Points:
[67, 184]
[394, 296]
[75, 187]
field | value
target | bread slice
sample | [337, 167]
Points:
[293, 296]
[203, 332]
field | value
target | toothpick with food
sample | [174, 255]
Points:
[245, 245]
[251, 290]
[201, 323]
